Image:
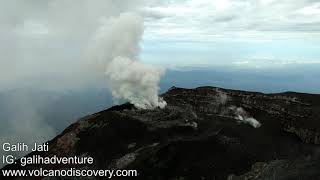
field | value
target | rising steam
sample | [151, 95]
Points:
[117, 48]
[244, 117]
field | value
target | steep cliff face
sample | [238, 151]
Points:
[203, 133]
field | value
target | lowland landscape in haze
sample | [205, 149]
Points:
[176, 89]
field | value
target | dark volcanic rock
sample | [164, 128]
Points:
[203, 133]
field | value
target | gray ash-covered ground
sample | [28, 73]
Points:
[203, 133]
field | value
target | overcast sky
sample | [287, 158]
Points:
[253, 33]
[48, 40]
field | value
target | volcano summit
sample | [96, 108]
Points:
[202, 133]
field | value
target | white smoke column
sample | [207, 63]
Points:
[117, 47]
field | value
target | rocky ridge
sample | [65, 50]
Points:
[203, 133]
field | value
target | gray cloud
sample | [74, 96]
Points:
[41, 40]
[222, 17]
[44, 45]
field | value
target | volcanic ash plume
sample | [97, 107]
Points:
[117, 43]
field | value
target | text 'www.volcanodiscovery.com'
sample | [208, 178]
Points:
[72, 172]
